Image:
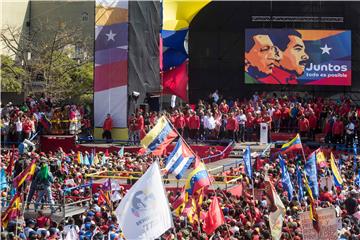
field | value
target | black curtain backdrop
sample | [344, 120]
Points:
[144, 29]
[216, 44]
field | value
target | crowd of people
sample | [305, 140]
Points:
[240, 120]
[42, 116]
[61, 175]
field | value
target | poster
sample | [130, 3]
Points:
[299, 57]
[328, 225]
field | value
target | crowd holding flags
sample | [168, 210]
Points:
[143, 213]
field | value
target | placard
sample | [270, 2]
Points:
[327, 221]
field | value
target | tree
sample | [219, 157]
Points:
[12, 76]
[60, 57]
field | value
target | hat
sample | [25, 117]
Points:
[90, 214]
[87, 225]
[52, 231]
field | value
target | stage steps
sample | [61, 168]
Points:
[256, 148]
[59, 215]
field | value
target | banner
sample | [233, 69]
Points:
[328, 225]
[111, 62]
[294, 56]
[144, 211]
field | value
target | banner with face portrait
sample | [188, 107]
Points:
[293, 56]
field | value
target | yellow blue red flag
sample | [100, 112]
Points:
[294, 144]
[160, 136]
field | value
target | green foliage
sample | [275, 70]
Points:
[62, 58]
[11, 75]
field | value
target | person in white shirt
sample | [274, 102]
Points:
[241, 118]
[70, 228]
[209, 124]
[215, 96]
[19, 128]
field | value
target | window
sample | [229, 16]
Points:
[84, 17]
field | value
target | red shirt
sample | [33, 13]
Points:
[285, 113]
[327, 128]
[140, 123]
[224, 108]
[304, 125]
[194, 122]
[267, 120]
[180, 122]
[27, 126]
[326, 196]
[277, 114]
[338, 128]
[231, 124]
[250, 122]
[108, 124]
[313, 121]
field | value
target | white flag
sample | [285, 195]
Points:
[277, 210]
[144, 211]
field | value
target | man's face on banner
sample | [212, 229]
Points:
[261, 55]
[294, 57]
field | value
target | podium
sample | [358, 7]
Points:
[264, 133]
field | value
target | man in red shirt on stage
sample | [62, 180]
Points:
[304, 126]
[338, 130]
[232, 127]
[194, 125]
[107, 127]
[180, 123]
[139, 126]
[313, 125]
[277, 119]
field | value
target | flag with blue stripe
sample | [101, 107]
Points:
[179, 160]
[247, 162]
[311, 173]
[285, 179]
[300, 184]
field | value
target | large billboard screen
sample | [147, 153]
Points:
[293, 56]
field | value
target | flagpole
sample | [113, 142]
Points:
[302, 150]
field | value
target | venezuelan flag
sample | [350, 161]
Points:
[197, 179]
[337, 177]
[12, 211]
[294, 144]
[159, 137]
[24, 175]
